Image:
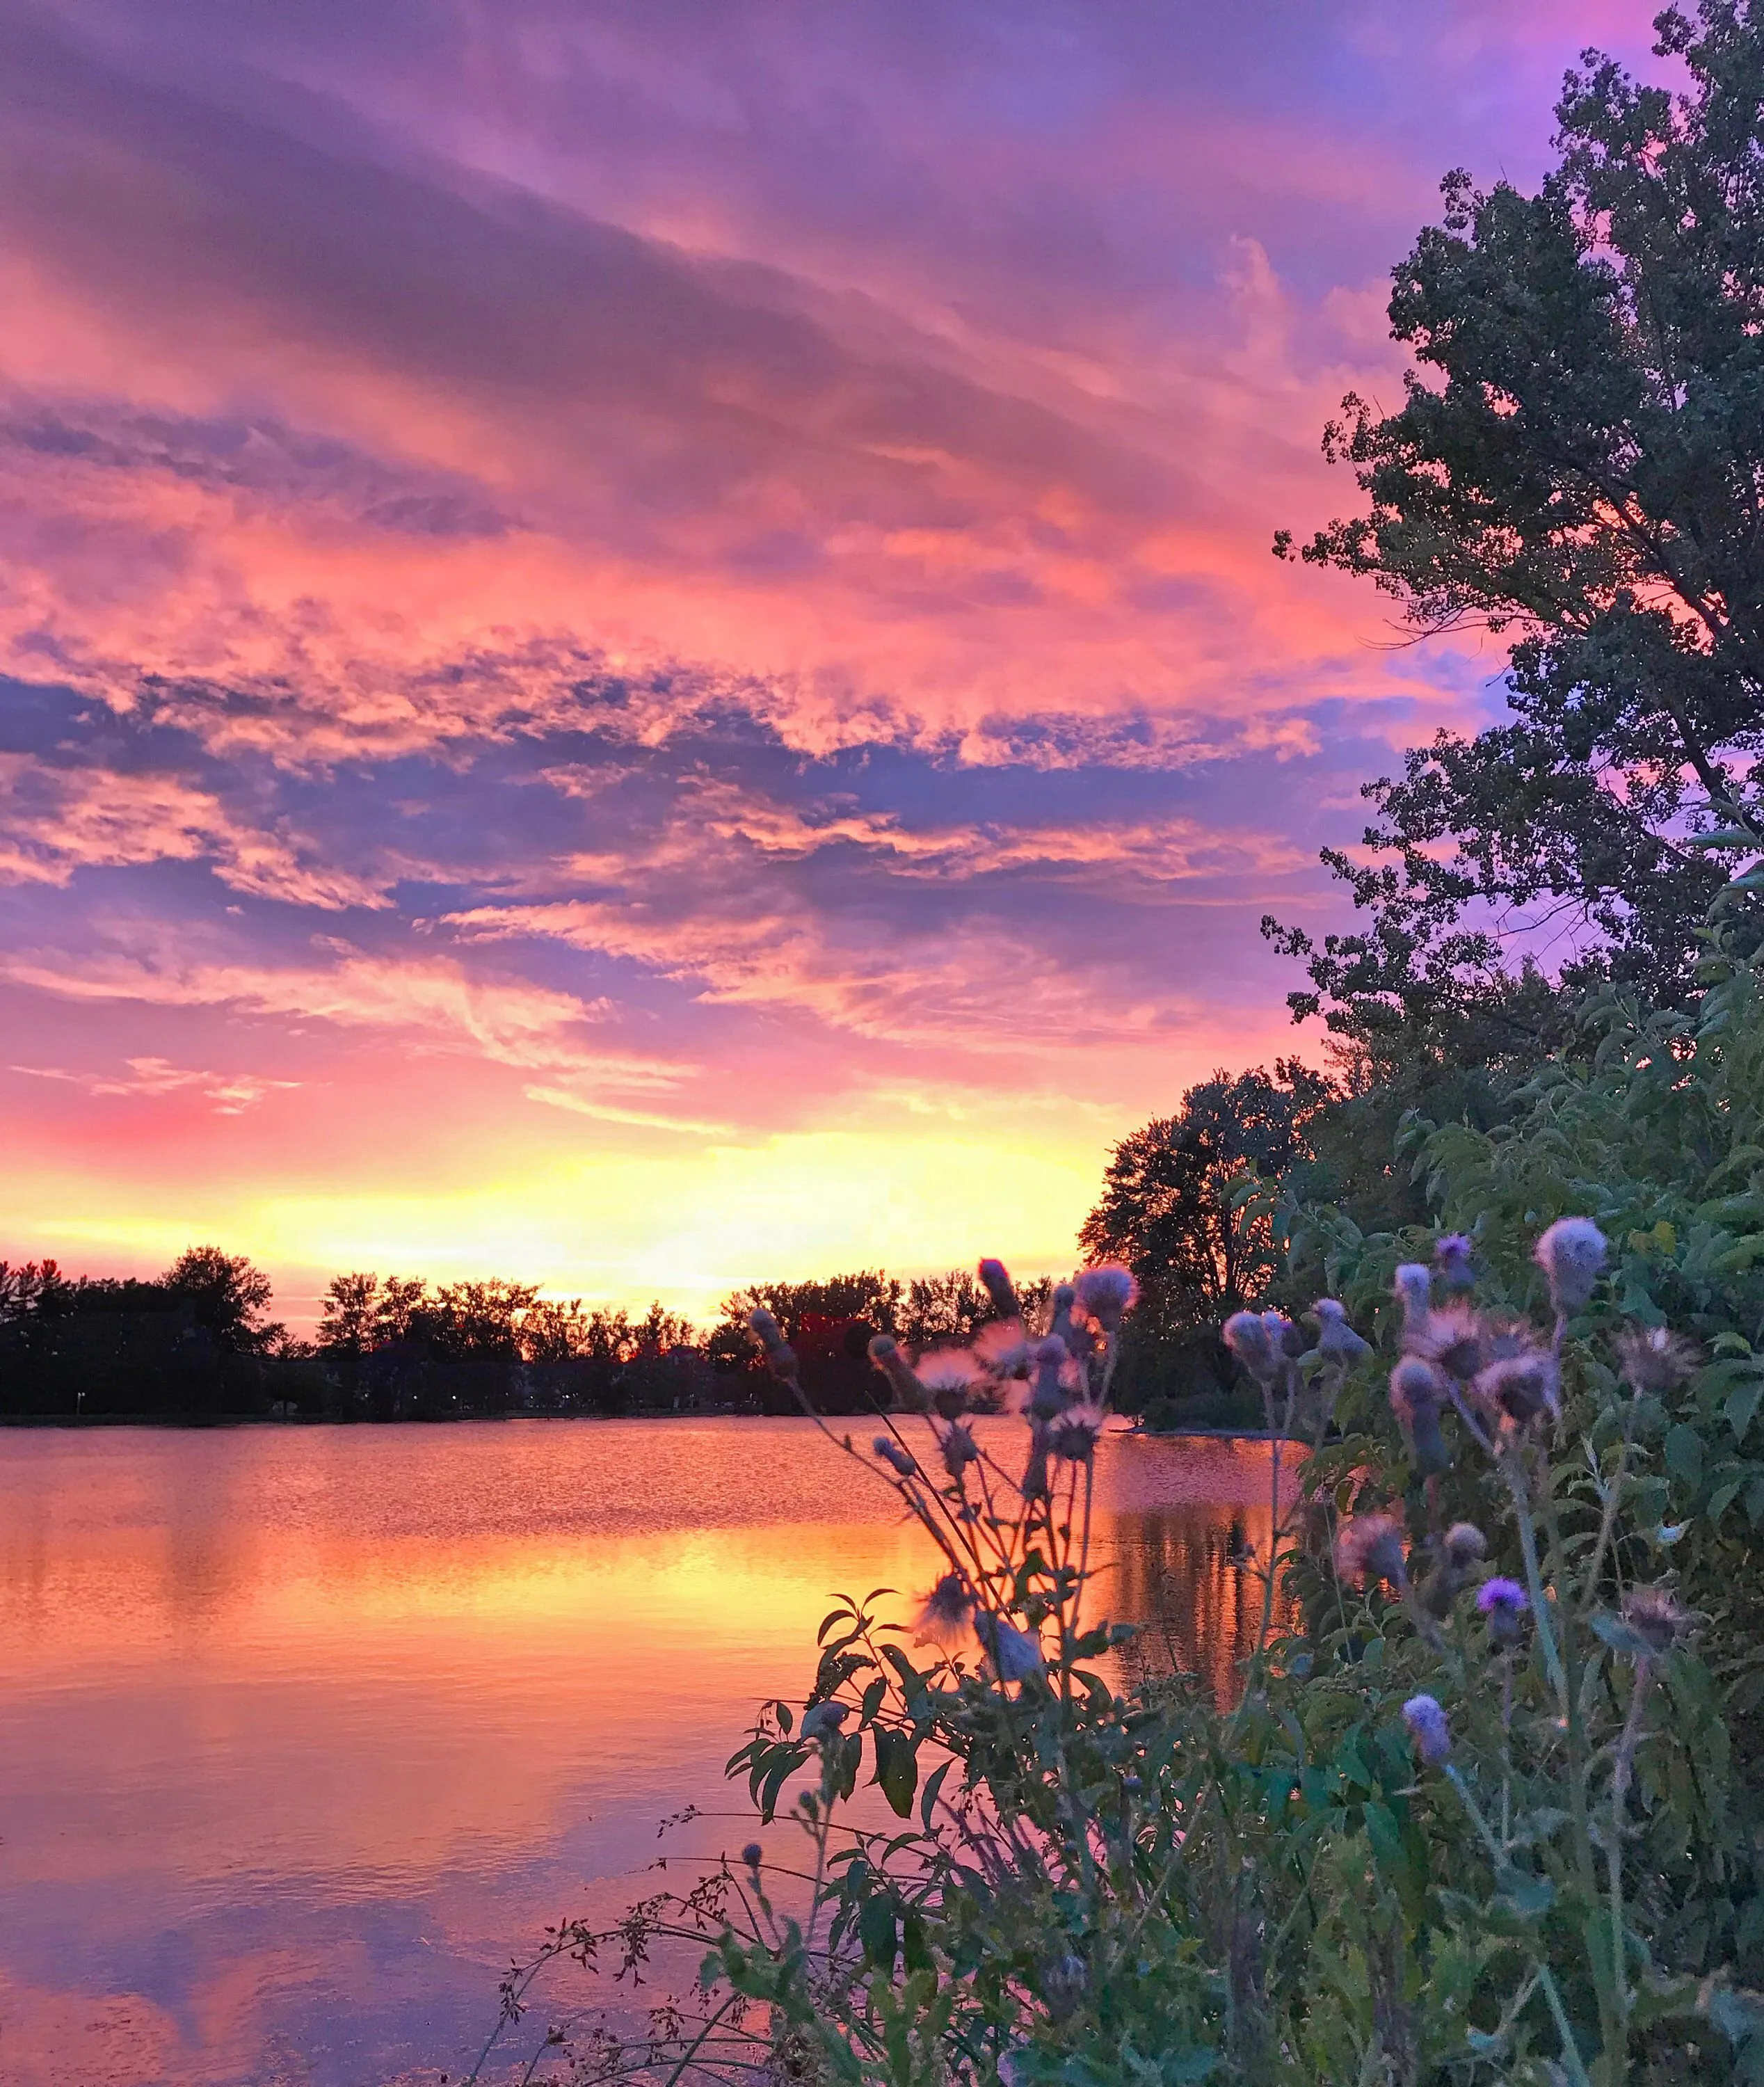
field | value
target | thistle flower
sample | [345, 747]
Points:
[1656, 1617]
[1571, 1254]
[1655, 1359]
[1452, 1259]
[1336, 1340]
[1047, 1394]
[891, 1453]
[1247, 1338]
[1516, 1388]
[1072, 1437]
[885, 1353]
[1107, 1292]
[1283, 1336]
[1075, 1336]
[1413, 1285]
[1504, 1604]
[780, 1357]
[1418, 1396]
[1014, 1652]
[753, 1854]
[1427, 1727]
[997, 1287]
[1465, 1545]
[948, 1375]
[821, 1721]
[958, 1449]
[1370, 1548]
[947, 1612]
[1455, 1340]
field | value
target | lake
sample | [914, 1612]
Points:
[305, 1730]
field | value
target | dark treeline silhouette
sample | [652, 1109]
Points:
[196, 1344]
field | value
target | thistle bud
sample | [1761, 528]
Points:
[753, 1854]
[1571, 1254]
[1427, 1727]
[999, 1288]
[1413, 1285]
[885, 1354]
[1247, 1338]
[1107, 1292]
[892, 1454]
[1047, 1394]
[821, 1721]
[1465, 1545]
[1656, 1617]
[1336, 1340]
[1452, 1260]
[1063, 1986]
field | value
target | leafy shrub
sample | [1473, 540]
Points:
[1472, 1817]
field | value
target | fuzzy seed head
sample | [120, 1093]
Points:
[1655, 1359]
[1656, 1616]
[947, 1612]
[1465, 1545]
[1108, 1292]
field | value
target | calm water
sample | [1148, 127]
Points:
[303, 1731]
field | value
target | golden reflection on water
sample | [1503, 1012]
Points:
[304, 1729]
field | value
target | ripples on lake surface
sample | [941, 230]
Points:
[305, 1730]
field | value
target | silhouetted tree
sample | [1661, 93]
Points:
[1579, 462]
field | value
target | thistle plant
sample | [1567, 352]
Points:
[1463, 1819]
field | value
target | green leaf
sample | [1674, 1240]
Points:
[876, 1932]
[1620, 1638]
[1742, 1406]
[1684, 1454]
[1529, 1896]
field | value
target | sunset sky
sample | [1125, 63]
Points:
[639, 641]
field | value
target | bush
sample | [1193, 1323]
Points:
[1472, 1817]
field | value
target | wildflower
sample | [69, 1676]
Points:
[1107, 1292]
[1656, 1617]
[1465, 1545]
[1413, 1285]
[1062, 1985]
[1571, 1254]
[1455, 1340]
[958, 1449]
[780, 1357]
[1503, 1603]
[948, 1374]
[1047, 1395]
[821, 1721]
[892, 1453]
[1452, 1258]
[1418, 1396]
[1427, 1727]
[1247, 1338]
[1015, 1653]
[1072, 1437]
[1062, 1327]
[1371, 1547]
[885, 1353]
[947, 1611]
[753, 1855]
[1655, 1359]
[1336, 1340]
[1516, 1388]
[999, 1289]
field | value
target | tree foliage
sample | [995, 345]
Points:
[1578, 464]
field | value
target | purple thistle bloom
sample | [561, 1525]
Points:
[1427, 1727]
[822, 1720]
[1571, 1254]
[1452, 1257]
[1505, 1604]
[1106, 1292]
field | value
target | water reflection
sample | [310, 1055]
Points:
[304, 1729]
